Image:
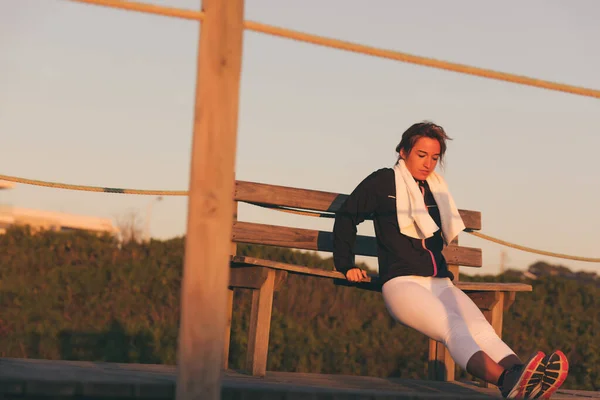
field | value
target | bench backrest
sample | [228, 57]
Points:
[325, 202]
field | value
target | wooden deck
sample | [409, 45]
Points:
[28, 378]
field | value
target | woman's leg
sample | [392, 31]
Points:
[441, 311]
[461, 306]
[496, 363]
[483, 367]
[411, 301]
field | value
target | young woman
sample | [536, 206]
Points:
[415, 217]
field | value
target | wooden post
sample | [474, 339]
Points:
[210, 205]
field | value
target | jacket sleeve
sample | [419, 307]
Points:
[361, 203]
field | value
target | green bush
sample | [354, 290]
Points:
[77, 296]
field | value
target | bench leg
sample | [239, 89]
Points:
[441, 366]
[494, 315]
[260, 324]
[228, 328]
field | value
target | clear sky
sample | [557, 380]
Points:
[97, 96]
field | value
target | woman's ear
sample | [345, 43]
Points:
[402, 154]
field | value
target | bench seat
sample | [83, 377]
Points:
[241, 261]
[266, 276]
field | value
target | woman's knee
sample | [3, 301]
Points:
[462, 346]
[406, 302]
[457, 332]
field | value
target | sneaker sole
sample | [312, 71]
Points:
[557, 370]
[531, 377]
[534, 385]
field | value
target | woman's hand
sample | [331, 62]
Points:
[357, 275]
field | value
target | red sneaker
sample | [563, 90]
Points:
[522, 378]
[556, 371]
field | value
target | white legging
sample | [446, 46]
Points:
[443, 312]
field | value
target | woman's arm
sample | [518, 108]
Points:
[361, 203]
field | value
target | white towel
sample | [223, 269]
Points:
[413, 218]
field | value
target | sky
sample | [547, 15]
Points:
[97, 96]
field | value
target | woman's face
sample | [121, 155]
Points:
[423, 158]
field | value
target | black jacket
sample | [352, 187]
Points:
[398, 254]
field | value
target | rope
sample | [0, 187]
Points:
[94, 188]
[147, 8]
[428, 62]
[356, 48]
[530, 250]
[275, 207]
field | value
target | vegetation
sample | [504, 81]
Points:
[77, 296]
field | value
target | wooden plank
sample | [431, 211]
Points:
[54, 388]
[310, 239]
[509, 299]
[244, 260]
[247, 277]
[315, 200]
[107, 390]
[260, 325]
[463, 256]
[210, 206]
[157, 381]
[465, 286]
[445, 364]
[455, 268]
[280, 279]
[441, 366]
[484, 300]
[448, 366]
[154, 391]
[494, 286]
[494, 316]
[497, 313]
[11, 387]
[227, 338]
[267, 194]
[432, 367]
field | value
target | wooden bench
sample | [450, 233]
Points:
[264, 277]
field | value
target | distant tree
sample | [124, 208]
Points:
[130, 226]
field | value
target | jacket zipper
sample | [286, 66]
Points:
[423, 240]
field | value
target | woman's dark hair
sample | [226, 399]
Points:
[423, 129]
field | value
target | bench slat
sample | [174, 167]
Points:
[244, 260]
[495, 286]
[313, 199]
[309, 239]
[465, 286]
